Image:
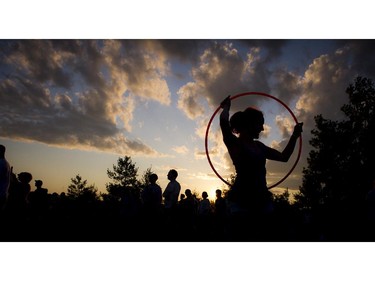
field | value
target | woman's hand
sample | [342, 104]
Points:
[225, 104]
[297, 130]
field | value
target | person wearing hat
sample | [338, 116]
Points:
[39, 189]
[39, 198]
[38, 185]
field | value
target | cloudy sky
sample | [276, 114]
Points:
[72, 107]
[55, 126]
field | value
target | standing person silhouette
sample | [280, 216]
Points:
[220, 205]
[204, 206]
[152, 195]
[249, 195]
[5, 172]
[19, 192]
[39, 199]
[170, 195]
[172, 190]
[220, 213]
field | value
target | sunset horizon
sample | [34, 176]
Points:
[84, 103]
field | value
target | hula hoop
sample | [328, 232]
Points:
[257, 94]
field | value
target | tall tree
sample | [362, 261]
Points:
[341, 165]
[361, 113]
[123, 176]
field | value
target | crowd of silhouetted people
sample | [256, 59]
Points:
[28, 212]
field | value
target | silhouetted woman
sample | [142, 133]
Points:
[249, 193]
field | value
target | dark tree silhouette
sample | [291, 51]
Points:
[144, 181]
[78, 189]
[282, 199]
[341, 165]
[124, 176]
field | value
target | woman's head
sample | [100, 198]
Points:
[250, 120]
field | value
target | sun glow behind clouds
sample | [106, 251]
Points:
[152, 99]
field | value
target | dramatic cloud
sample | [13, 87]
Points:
[220, 71]
[188, 101]
[78, 93]
[85, 93]
[288, 85]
